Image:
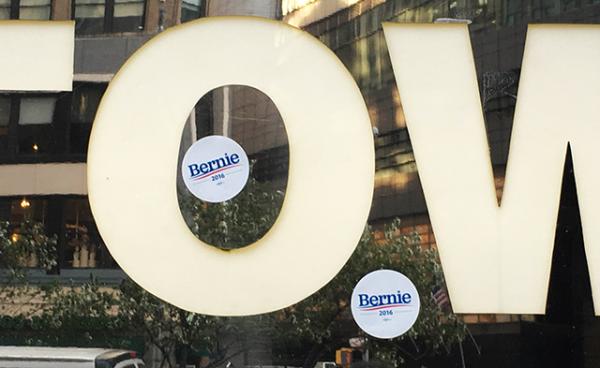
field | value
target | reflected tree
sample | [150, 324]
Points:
[323, 321]
[314, 327]
[235, 223]
[23, 248]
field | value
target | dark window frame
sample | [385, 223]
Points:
[108, 21]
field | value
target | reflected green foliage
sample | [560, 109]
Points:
[323, 319]
[70, 315]
[237, 222]
[81, 307]
[95, 315]
[52, 314]
[23, 249]
[26, 246]
[170, 328]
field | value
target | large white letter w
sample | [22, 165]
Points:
[497, 259]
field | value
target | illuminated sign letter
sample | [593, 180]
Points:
[36, 55]
[330, 183]
[497, 259]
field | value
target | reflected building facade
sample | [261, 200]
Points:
[569, 333]
[44, 136]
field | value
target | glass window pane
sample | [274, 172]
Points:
[4, 111]
[35, 124]
[128, 15]
[16, 211]
[34, 9]
[86, 99]
[4, 9]
[4, 209]
[190, 10]
[129, 8]
[4, 120]
[36, 110]
[89, 9]
[89, 16]
[83, 246]
[544, 8]
[35, 139]
[27, 209]
[254, 122]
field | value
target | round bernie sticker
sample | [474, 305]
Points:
[385, 304]
[215, 169]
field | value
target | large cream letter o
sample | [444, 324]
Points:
[132, 165]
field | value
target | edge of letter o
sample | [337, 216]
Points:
[132, 165]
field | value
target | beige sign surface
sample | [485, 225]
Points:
[36, 55]
[132, 165]
[497, 259]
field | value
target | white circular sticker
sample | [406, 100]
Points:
[385, 304]
[215, 168]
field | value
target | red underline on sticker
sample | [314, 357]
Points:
[214, 172]
[386, 306]
[206, 179]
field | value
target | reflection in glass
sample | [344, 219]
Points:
[36, 110]
[191, 9]
[25, 217]
[129, 8]
[353, 31]
[89, 16]
[108, 16]
[70, 218]
[5, 9]
[84, 103]
[128, 15]
[27, 209]
[4, 121]
[84, 247]
[89, 9]
[35, 132]
[310, 332]
[251, 119]
[35, 9]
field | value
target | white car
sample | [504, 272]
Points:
[49, 357]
